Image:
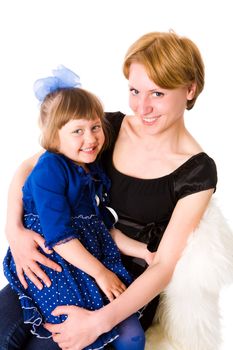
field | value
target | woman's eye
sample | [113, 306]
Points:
[157, 94]
[134, 91]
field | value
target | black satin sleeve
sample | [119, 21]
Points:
[113, 122]
[199, 173]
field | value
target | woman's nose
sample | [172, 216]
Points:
[144, 106]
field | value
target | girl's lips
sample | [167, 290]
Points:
[88, 150]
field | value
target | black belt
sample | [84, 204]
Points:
[151, 234]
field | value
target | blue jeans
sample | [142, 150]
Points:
[15, 335]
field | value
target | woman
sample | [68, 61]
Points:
[162, 183]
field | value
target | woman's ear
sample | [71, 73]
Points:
[191, 91]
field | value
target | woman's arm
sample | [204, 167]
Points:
[131, 247]
[76, 254]
[24, 243]
[186, 216]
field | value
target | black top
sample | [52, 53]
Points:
[144, 206]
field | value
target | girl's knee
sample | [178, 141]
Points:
[131, 335]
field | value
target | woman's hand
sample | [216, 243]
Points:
[110, 284]
[80, 329]
[27, 256]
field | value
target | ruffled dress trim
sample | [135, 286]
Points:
[31, 311]
[33, 316]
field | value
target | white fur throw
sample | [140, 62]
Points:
[188, 316]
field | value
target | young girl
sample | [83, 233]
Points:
[64, 200]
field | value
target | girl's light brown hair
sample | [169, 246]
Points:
[64, 105]
[171, 61]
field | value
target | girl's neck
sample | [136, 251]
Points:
[82, 165]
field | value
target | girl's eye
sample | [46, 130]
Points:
[157, 93]
[96, 128]
[78, 131]
[134, 92]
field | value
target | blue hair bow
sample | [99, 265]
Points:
[62, 78]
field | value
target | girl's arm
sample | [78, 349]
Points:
[186, 216]
[24, 243]
[131, 247]
[76, 254]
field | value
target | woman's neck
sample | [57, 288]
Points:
[156, 154]
[167, 141]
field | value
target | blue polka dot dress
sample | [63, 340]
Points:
[63, 202]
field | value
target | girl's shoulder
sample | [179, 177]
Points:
[57, 165]
[53, 159]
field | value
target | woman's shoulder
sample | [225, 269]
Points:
[111, 116]
[200, 159]
[198, 173]
[114, 120]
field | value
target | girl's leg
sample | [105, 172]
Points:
[131, 335]
[13, 332]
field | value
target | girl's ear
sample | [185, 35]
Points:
[191, 91]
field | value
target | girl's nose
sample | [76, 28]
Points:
[90, 136]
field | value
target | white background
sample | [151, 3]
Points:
[91, 37]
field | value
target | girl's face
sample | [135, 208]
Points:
[81, 140]
[157, 108]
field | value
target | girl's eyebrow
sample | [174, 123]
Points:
[83, 125]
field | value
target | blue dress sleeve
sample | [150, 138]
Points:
[48, 184]
[199, 173]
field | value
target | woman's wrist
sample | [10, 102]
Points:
[104, 320]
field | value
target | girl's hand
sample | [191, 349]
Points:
[149, 257]
[70, 337]
[27, 256]
[110, 284]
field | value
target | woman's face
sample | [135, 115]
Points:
[81, 140]
[157, 108]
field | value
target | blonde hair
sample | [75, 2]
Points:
[171, 61]
[63, 105]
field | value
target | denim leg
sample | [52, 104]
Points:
[13, 332]
[35, 343]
